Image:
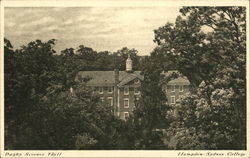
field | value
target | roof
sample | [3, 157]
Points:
[129, 77]
[107, 78]
[181, 80]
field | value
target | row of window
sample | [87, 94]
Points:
[136, 91]
[174, 87]
[126, 104]
[126, 90]
[100, 90]
[173, 100]
[110, 100]
[125, 101]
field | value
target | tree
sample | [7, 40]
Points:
[105, 61]
[121, 56]
[87, 59]
[40, 111]
[208, 45]
[150, 111]
[87, 53]
[27, 75]
[72, 120]
[9, 81]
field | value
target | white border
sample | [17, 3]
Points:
[116, 3]
[123, 3]
[2, 76]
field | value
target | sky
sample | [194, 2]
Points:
[101, 28]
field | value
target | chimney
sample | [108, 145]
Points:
[116, 95]
[116, 76]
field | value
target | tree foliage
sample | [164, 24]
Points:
[27, 75]
[40, 111]
[150, 111]
[208, 45]
[87, 59]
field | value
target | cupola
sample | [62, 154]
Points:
[129, 64]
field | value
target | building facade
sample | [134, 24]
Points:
[176, 88]
[120, 89]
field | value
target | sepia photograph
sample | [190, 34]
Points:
[124, 78]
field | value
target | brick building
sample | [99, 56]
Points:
[176, 88]
[120, 89]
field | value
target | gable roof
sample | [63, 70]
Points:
[181, 80]
[107, 78]
[129, 77]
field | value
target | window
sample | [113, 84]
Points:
[136, 81]
[110, 89]
[102, 99]
[172, 88]
[71, 91]
[140, 121]
[181, 88]
[136, 90]
[176, 86]
[126, 115]
[172, 99]
[100, 90]
[110, 101]
[126, 103]
[165, 88]
[126, 90]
